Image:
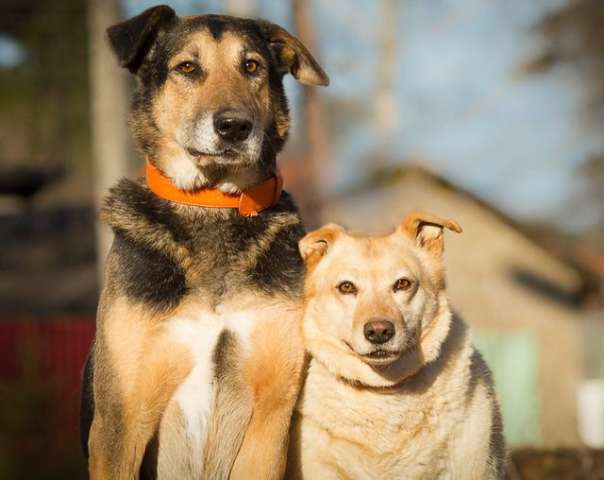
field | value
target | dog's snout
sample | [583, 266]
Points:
[232, 126]
[378, 331]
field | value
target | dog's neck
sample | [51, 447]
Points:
[230, 178]
[249, 202]
[235, 181]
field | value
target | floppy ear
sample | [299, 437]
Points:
[132, 39]
[291, 56]
[316, 244]
[427, 230]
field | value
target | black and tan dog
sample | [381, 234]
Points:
[195, 366]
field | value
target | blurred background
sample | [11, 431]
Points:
[490, 112]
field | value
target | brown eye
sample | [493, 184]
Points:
[186, 67]
[347, 288]
[401, 284]
[251, 66]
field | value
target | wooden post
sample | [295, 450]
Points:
[109, 100]
[385, 99]
[243, 8]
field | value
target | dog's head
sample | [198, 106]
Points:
[375, 305]
[210, 107]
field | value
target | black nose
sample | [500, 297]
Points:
[378, 331]
[232, 126]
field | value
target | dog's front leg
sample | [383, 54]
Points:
[115, 454]
[118, 442]
[137, 370]
[273, 373]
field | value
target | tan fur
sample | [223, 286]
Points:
[314, 245]
[428, 410]
[223, 86]
[264, 383]
[148, 367]
[295, 58]
[427, 229]
[272, 372]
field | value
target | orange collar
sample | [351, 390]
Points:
[249, 203]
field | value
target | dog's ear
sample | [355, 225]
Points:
[316, 244]
[132, 39]
[292, 56]
[427, 230]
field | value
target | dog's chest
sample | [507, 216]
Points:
[374, 435]
[185, 423]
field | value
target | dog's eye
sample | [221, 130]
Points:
[401, 284]
[347, 288]
[186, 67]
[251, 66]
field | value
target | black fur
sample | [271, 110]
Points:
[86, 405]
[224, 352]
[132, 39]
[216, 26]
[280, 266]
[143, 204]
[148, 275]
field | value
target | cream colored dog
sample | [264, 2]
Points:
[394, 387]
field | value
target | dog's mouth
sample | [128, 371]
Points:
[377, 357]
[202, 158]
[382, 357]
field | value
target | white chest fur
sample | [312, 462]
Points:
[195, 394]
[193, 400]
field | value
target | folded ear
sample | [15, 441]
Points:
[315, 244]
[292, 56]
[427, 230]
[132, 39]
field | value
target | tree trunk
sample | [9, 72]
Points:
[111, 149]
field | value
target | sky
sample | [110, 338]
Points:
[461, 105]
[11, 53]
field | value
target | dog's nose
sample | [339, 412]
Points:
[378, 331]
[232, 126]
